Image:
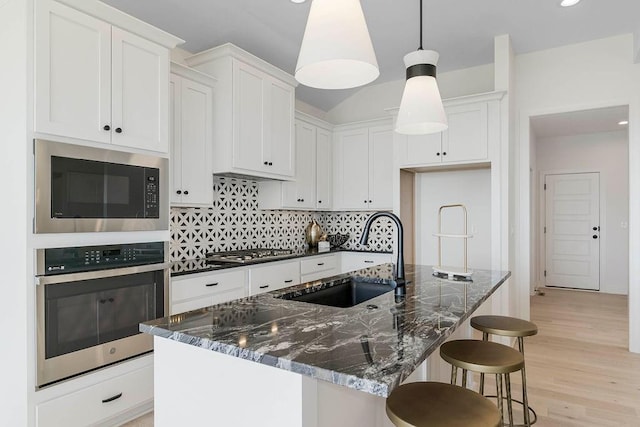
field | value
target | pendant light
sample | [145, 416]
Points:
[421, 111]
[336, 51]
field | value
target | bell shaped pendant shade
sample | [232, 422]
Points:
[421, 110]
[336, 51]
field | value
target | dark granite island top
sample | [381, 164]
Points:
[371, 347]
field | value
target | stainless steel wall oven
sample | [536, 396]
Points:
[90, 301]
[83, 189]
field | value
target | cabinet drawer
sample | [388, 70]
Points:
[99, 402]
[205, 284]
[272, 277]
[352, 261]
[317, 264]
[225, 294]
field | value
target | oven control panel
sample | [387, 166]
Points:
[87, 258]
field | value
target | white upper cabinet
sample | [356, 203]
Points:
[363, 160]
[191, 103]
[98, 82]
[254, 114]
[473, 121]
[311, 189]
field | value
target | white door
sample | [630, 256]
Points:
[573, 230]
[175, 115]
[248, 119]
[72, 74]
[140, 94]
[351, 159]
[419, 150]
[380, 167]
[301, 192]
[467, 137]
[323, 169]
[279, 112]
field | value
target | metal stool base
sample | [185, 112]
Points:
[531, 410]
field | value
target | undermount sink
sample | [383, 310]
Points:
[348, 294]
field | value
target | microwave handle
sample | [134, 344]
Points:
[98, 274]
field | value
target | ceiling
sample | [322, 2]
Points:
[461, 30]
[580, 122]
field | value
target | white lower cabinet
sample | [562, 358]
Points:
[98, 403]
[351, 261]
[194, 291]
[273, 276]
[318, 267]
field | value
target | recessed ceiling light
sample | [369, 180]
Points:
[623, 122]
[302, 1]
[567, 3]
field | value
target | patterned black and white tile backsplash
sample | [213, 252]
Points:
[234, 222]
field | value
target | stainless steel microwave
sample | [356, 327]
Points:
[85, 189]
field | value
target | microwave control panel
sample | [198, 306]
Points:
[151, 193]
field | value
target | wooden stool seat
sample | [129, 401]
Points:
[432, 404]
[504, 326]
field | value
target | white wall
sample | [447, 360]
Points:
[534, 227]
[595, 74]
[371, 101]
[14, 255]
[469, 187]
[605, 153]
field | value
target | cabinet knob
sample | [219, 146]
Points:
[179, 192]
[270, 164]
[107, 127]
[118, 130]
[266, 163]
[444, 153]
[437, 154]
[365, 201]
[186, 192]
[370, 201]
[595, 236]
[319, 201]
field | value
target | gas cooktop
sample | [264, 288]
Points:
[248, 255]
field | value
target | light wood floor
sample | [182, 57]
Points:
[579, 372]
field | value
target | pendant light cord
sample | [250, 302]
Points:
[420, 48]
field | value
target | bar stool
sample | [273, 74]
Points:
[487, 358]
[431, 404]
[509, 327]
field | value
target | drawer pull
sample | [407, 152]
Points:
[112, 398]
[211, 284]
[288, 281]
[368, 261]
[264, 286]
[321, 263]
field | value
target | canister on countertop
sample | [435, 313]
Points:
[313, 233]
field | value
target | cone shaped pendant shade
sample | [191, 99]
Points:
[336, 51]
[421, 110]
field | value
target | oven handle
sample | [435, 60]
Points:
[89, 275]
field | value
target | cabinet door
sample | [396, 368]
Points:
[467, 137]
[175, 114]
[301, 192]
[279, 128]
[140, 93]
[273, 277]
[419, 150]
[380, 167]
[323, 169]
[196, 136]
[351, 157]
[248, 118]
[72, 73]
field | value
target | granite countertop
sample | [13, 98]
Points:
[364, 348]
[200, 265]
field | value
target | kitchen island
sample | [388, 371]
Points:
[272, 361]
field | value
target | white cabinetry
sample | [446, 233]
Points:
[363, 161]
[351, 261]
[473, 122]
[94, 404]
[312, 186]
[273, 276]
[98, 82]
[318, 267]
[191, 126]
[193, 291]
[254, 112]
